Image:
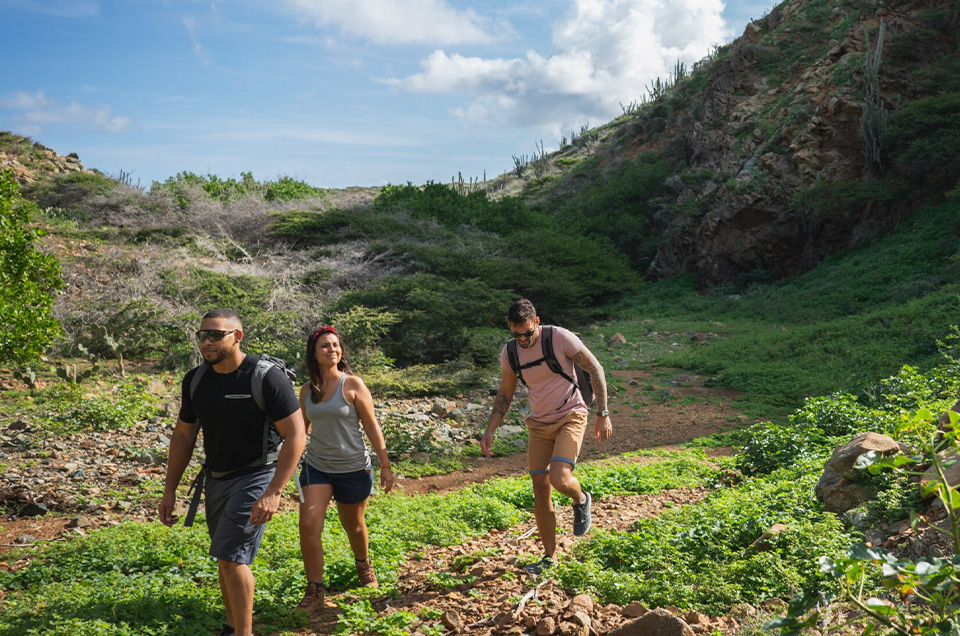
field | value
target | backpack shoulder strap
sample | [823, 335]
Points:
[256, 384]
[546, 335]
[514, 359]
[194, 382]
[256, 389]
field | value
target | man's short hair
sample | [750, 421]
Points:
[521, 311]
[229, 314]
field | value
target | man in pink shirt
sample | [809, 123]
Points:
[557, 421]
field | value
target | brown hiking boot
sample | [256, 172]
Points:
[312, 598]
[365, 571]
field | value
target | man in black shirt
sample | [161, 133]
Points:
[243, 482]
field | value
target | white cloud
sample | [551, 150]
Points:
[56, 8]
[391, 22]
[37, 113]
[605, 52]
[198, 49]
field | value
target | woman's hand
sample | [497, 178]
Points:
[386, 479]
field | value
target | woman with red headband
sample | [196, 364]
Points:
[338, 409]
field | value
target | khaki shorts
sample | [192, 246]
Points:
[557, 442]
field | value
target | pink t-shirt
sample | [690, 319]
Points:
[552, 397]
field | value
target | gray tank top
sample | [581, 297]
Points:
[336, 438]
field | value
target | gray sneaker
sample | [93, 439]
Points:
[537, 567]
[581, 516]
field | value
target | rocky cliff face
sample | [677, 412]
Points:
[30, 161]
[767, 136]
[770, 119]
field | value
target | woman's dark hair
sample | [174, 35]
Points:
[316, 385]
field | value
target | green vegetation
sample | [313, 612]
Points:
[29, 279]
[816, 333]
[185, 186]
[159, 581]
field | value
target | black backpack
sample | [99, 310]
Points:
[264, 364]
[582, 381]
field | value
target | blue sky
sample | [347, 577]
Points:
[359, 92]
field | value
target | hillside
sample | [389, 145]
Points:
[760, 289]
[789, 144]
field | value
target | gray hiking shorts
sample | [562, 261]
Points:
[229, 502]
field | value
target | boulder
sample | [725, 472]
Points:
[841, 488]
[658, 622]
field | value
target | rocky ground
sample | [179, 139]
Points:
[499, 597]
[53, 486]
[57, 487]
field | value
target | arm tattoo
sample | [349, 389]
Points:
[501, 404]
[589, 363]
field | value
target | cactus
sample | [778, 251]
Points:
[873, 120]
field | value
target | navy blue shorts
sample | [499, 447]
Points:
[348, 488]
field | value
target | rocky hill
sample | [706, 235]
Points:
[31, 160]
[784, 146]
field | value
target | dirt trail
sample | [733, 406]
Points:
[651, 412]
[656, 409]
[493, 581]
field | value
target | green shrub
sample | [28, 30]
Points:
[290, 189]
[768, 447]
[71, 190]
[702, 557]
[436, 316]
[29, 279]
[120, 409]
[923, 137]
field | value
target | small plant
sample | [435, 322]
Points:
[923, 594]
[520, 165]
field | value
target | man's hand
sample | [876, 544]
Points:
[486, 444]
[264, 508]
[165, 510]
[602, 428]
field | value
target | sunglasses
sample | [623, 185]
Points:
[525, 334]
[213, 335]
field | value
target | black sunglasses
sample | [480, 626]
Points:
[213, 335]
[525, 334]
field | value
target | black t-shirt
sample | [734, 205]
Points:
[232, 422]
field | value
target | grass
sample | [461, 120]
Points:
[810, 335]
[147, 579]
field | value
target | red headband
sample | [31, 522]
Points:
[322, 330]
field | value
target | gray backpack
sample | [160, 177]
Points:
[264, 364]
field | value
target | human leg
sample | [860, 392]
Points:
[234, 541]
[544, 513]
[313, 512]
[351, 491]
[567, 445]
[237, 587]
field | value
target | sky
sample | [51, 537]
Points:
[337, 93]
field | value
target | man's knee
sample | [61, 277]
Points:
[541, 486]
[561, 473]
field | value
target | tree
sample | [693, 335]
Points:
[29, 279]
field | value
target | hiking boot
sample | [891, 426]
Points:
[312, 598]
[581, 516]
[537, 567]
[365, 571]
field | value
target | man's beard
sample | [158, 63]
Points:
[221, 356]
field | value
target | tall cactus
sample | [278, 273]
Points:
[873, 121]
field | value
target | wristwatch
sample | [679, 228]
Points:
[603, 413]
